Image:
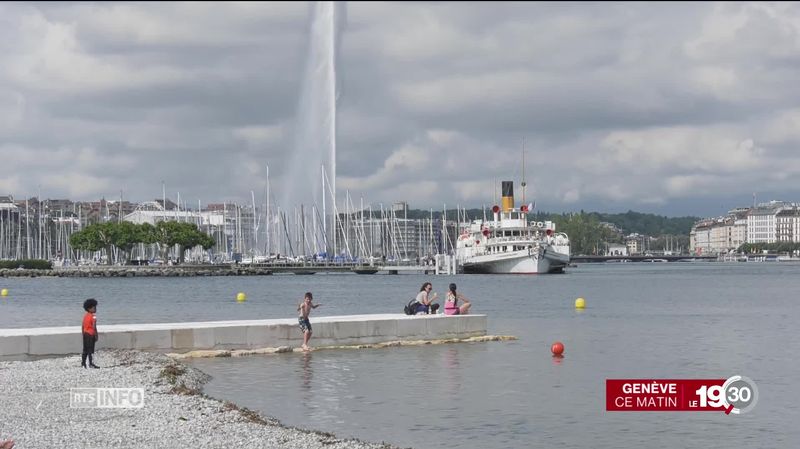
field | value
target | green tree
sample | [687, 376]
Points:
[148, 234]
[125, 235]
[183, 235]
[586, 234]
[86, 239]
[93, 238]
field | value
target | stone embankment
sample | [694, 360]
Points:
[134, 271]
[36, 411]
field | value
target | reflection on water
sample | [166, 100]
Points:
[307, 375]
[452, 371]
[669, 321]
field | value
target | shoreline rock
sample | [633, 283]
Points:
[176, 414]
[212, 353]
[134, 271]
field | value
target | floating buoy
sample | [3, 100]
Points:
[241, 296]
[557, 348]
[4, 292]
[580, 303]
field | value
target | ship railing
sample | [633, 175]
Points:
[518, 239]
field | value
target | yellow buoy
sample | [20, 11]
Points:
[4, 292]
[241, 297]
[580, 303]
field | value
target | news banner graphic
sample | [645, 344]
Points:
[736, 394]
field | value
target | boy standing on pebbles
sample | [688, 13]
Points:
[305, 326]
[89, 330]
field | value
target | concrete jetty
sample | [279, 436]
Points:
[243, 334]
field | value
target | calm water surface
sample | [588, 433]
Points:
[642, 321]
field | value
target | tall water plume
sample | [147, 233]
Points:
[315, 126]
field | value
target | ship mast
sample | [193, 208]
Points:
[523, 171]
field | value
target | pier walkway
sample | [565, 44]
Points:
[680, 258]
[244, 334]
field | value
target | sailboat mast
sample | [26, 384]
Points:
[255, 223]
[268, 248]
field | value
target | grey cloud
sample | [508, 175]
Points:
[623, 106]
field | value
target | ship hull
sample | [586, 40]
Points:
[519, 262]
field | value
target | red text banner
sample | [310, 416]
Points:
[665, 395]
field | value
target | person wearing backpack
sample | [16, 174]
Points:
[411, 307]
[424, 300]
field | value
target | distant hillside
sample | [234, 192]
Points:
[629, 222]
[649, 224]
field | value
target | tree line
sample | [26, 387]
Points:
[777, 247]
[124, 236]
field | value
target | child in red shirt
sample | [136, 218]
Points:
[89, 330]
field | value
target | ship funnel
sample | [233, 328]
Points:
[508, 195]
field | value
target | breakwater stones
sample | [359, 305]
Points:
[210, 353]
[134, 271]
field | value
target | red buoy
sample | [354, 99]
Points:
[557, 348]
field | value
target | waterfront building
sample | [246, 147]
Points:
[612, 227]
[9, 228]
[775, 221]
[7, 204]
[616, 249]
[762, 221]
[147, 213]
[398, 239]
[738, 233]
[720, 235]
[787, 225]
[635, 243]
[700, 237]
[400, 208]
[60, 205]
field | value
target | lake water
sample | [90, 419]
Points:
[675, 320]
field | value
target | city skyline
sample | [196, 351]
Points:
[676, 109]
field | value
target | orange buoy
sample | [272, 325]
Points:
[557, 348]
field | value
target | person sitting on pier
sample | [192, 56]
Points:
[451, 306]
[424, 301]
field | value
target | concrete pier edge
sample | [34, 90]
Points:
[350, 331]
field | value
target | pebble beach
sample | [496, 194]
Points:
[36, 413]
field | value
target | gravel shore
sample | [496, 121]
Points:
[35, 411]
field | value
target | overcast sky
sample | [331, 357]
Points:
[672, 108]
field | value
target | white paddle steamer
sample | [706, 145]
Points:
[510, 244]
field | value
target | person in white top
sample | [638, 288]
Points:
[425, 301]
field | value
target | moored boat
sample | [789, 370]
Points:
[510, 244]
